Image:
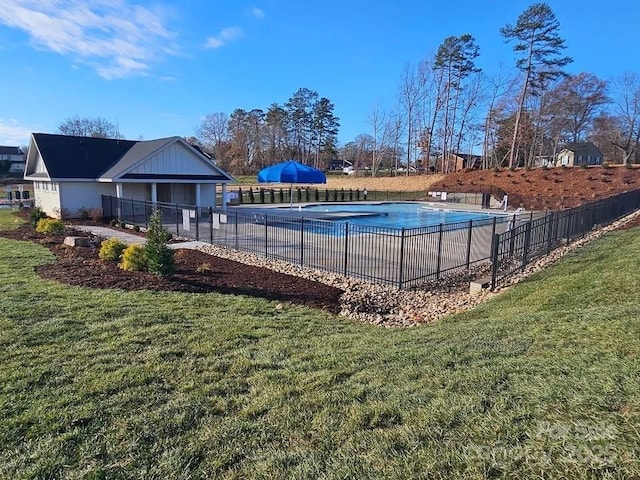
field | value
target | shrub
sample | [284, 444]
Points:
[584, 165]
[84, 213]
[36, 215]
[50, 226]
[545, 167]
[204, 268]
[136, 228]
[159, 255]
[134, 258]
[111, 249]
[606, 165]
[628, 166]
[95, 214]
[62, 213]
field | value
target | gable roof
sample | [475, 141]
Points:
[10, 151]
[79, 157]
[83, 158]
[583, 147]
[138, 152]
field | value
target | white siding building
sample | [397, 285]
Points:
[72, 173]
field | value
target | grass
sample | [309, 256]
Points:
[542, 382]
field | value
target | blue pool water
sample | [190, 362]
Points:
[400, 215]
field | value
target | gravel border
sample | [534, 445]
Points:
[389, 306]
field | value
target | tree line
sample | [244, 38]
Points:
[446, 105]
[305, 128]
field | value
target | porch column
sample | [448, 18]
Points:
[119, 201]
[224, 195]
[197, 195]
[154, 194]
[215, 195]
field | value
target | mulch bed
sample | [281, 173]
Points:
[195, 272]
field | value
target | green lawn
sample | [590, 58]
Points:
[542, 382]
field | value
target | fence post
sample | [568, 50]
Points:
[133, 212]
[211, 225]
[266, 243]
[301, 241]
[469, 243]
[146, 217]
[198, 223]
[401, 272]
[346, 247]
[525, 247]
[236, 241]
[495, 248]
[177, 221]
[438, 265]
[549, 222]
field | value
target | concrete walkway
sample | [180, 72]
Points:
[130, 238]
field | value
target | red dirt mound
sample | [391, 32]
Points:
[545, 189]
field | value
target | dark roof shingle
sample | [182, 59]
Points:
[79, 157]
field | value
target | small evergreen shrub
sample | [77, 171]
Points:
[606, 165]
[36, 215]
[134, 258]
[111, 249]
[136, 228]
[50, 226]
[159, 255]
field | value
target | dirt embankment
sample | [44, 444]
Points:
[545, 189]
[410, 183]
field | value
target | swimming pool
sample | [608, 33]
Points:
[399, 214]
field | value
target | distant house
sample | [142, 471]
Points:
[13, 159]
[70, 173]
[456, 162]
[339, 164]
[575, 154]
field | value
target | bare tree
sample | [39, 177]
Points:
[376, 121]
[213, 133]
[89, 127]
[627, 101]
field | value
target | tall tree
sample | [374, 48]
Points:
[577, 100]
[627, 100]
[89, 127]
[300, 116]
[540, 45]
[324, 128]
[455, 60]
[213, 133]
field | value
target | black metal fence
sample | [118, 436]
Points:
[401, 257]
[520, 245]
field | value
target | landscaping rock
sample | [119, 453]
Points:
[77, 241]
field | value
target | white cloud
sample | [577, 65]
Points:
[117, 38]
[13, 134]
[257, 12]
[225, 36]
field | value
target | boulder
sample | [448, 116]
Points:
[76, 241]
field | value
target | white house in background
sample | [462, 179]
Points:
[575, 154]
[14, 156]
[70, 173]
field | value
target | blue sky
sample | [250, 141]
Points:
[157, 67]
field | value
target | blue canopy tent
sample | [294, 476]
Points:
[291, 172]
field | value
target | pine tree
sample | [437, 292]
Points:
[159, 255]
[538, 41]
